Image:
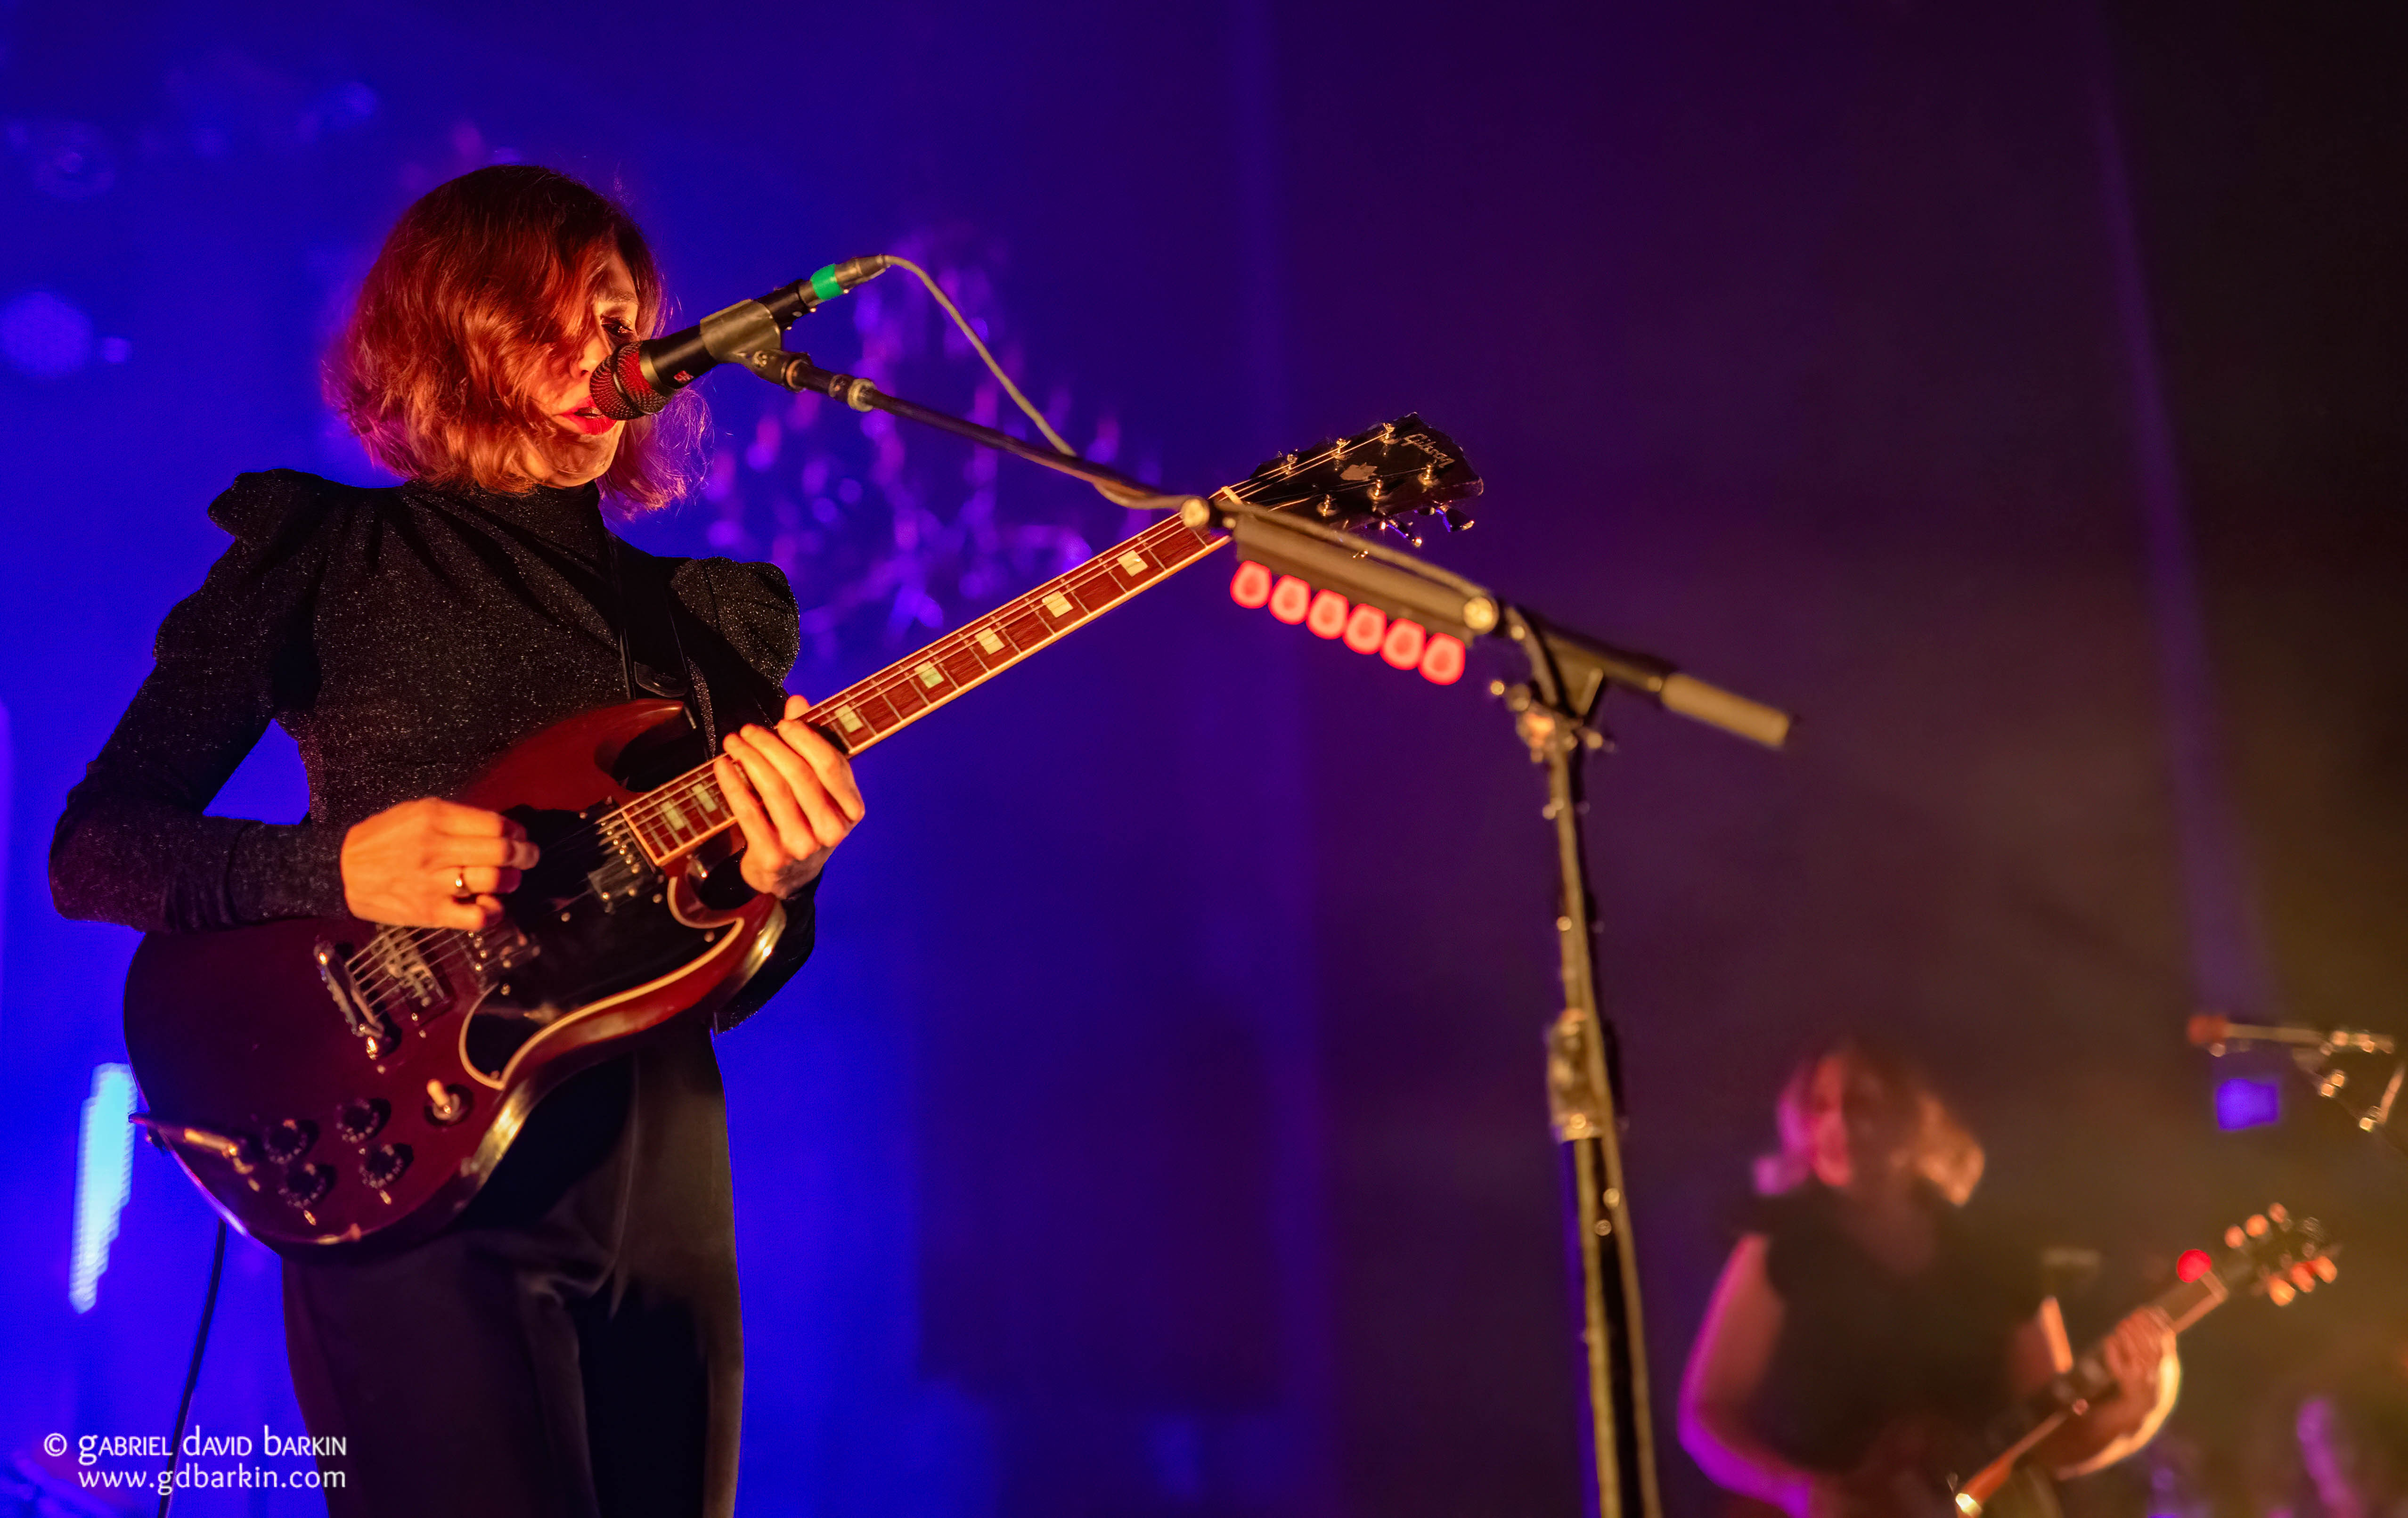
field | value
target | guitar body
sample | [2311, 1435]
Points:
[367, 1098]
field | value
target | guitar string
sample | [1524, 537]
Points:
[381, 980]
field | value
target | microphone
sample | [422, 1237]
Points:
[641, 378]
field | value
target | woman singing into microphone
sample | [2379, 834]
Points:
[571, 1345]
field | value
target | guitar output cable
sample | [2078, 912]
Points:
[192, 1375]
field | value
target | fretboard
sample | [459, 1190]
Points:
[676, 816]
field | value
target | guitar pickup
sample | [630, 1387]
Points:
[625, 872]
[402, 965]
[500, 949]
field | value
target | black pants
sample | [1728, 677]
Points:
[571, 1347]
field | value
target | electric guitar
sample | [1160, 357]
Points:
[1924, 1467]
[334, 1084]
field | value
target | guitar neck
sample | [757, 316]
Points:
[680, 815]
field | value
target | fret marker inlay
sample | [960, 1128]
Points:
[1058, 604]
[987, 640]
[1133, 562]
[674, 814]
[929, 675]
[848, 719]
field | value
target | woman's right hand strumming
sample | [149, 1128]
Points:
[433, 864]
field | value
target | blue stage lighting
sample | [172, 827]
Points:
[104, 1173]
[2243, 1103]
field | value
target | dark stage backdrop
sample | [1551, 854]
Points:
[2013, 390]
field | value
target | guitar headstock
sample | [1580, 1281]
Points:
[1381, 476]
[2272, 1252]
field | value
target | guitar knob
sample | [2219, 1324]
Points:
[360, 1118]
[383, 1166]
[446, 1105]
[290, 1140]
[305, 1183]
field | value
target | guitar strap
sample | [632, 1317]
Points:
[652, 659]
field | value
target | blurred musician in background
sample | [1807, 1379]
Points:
[1860, 1303]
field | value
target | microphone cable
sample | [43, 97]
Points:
[1036, 417]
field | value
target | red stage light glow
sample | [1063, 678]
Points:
[1402, 647]
[2192, 1264]
[1328, 618]
[1443, 660]
[1251, 586]
[1289, 599]
[1364, 628]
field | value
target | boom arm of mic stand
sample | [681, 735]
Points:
[796, 371]
[1403, 586]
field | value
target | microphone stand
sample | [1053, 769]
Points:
[2311, 1055]
[1554, 714]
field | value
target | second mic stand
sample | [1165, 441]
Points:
[1552, 714]
[2313, 1052]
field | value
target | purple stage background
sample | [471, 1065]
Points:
[2015, 391]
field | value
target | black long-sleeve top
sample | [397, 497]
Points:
[404, 637]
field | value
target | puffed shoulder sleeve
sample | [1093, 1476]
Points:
[750, 606]
[133, 845]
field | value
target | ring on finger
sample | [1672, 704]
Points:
[460, 883]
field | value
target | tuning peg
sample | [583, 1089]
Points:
[2280, 1292]
[2234, 1237]
[1455, 518]
[2281, 1214]
[2256, 1227]
[2302, 1277]
[2324, 1267]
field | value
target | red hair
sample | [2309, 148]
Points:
[484, 285]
